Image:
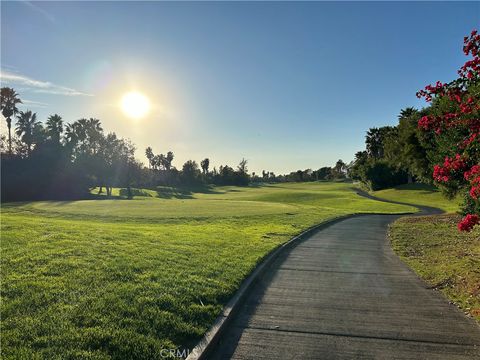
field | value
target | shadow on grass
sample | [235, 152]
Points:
[184, 192]
[429, 189]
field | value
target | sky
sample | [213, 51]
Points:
[285, 85]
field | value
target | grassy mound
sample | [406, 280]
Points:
[447, 259]
[419, 194]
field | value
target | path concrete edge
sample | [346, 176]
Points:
[211, 337]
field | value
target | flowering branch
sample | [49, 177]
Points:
[462, 170]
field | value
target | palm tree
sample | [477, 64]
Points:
[27, 125]
[81, 136]
[55, 127]
[9, 100]
[407, 112]
[149, 154]
[71, 133]
[94, 132]
[158, 161]
[205, 163]
[168, 160]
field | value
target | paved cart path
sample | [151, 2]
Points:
[343, 293]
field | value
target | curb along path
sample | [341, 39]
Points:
[343, 293]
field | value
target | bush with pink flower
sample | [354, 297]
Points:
[459, 172]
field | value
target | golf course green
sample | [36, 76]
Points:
[116, 278]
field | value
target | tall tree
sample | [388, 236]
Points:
[190, 172]
[8, 103]
[405, 150]
[54, 127]
[407, 113]
[94, 133]
[242, 166]
[71, 137]
[205, 163]
[340, 169]
[27, 127]
[157, 161]
[168, 160]
[375, 141]
[149, 154]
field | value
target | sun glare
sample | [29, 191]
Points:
[135, 105]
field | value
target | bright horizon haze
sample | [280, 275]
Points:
[287, 85]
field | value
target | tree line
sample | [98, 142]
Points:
[438, 144]
[60, 160]
[399, 154]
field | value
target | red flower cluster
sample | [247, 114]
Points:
[474, 171]
[475, 189]
[441, 174]
[471, 43]
[473, 176]
[450, 165]
[463, 118]
[454, 164]
[468, 222]
[427, 123]
[438, 123]
[430, 90]
[470, 140]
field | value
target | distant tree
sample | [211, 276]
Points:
[226, 175]
[298, 176]
[54, 127]
[168, 160]
[205, 163]
[27, 128]
[71, 138]
[324, 173]
[242, 166]
[149, 154]
[94, 133]
[116, 157]
[83, 137]
[340, 169]
[190, 172]
[8, 103]
[358, 168]
[407, 113]
[157, 161]
[408, 148]
[165, 165]
[375, 141]
[379, 174]
[80, 127]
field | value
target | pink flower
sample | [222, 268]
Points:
[468, 222]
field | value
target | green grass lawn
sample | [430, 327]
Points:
[447, 259]
[432, 246]
[419, 194]
[118, 279]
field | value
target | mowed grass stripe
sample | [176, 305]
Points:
[420, 194]
[110, 279]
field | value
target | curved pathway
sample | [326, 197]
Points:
[343, 293]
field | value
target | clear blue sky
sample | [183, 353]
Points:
[285, 85]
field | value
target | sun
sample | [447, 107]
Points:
[135, 105]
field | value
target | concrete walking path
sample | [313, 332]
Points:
[343, 293]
